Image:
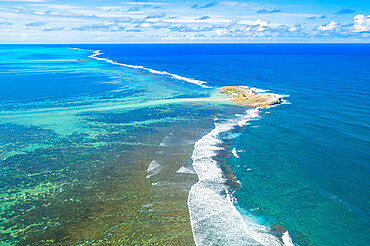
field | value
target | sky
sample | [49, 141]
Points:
[182, 21]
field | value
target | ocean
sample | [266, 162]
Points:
[135, 146]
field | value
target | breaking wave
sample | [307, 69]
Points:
[175, 76]
[214, 216]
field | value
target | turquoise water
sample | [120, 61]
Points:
[76, 141]
[303, 165]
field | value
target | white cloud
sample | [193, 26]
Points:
[145, 25]
[296, 28]
[328, 27]
[147, 20]
[260, 22]
[361, 23]
[261, 25]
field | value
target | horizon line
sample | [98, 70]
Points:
[189, 43]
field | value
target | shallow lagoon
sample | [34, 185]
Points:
[76, 141]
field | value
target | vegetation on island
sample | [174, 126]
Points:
[248, 97]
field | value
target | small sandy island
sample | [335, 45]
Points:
[245, 97]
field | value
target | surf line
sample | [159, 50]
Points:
[96, 53]
[214, 216]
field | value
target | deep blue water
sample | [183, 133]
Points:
[303, 165]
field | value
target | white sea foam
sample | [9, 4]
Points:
[185, 170]
[153, 169]
[175, 76]
[251, 114]
[235, 153]
[166, 140]
[283, 101]
[214, 217]
[266, 92]
[74, 48]
[287, 240]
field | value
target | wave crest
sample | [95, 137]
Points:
[214, 217]
[96, 53]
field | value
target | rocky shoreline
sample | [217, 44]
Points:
[246, 97]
